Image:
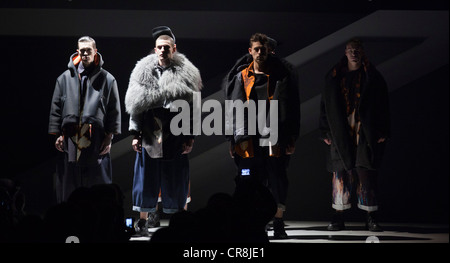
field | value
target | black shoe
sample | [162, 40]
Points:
[141, 228]
[372, 224]
[153, 219]
[337, 222]
[278, 229]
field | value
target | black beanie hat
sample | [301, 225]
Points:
[162, 30]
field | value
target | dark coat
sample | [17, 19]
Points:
[101, 109]
[101, 106]
[374, 116]
[286, 92]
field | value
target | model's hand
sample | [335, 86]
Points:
[187, 146]
[137, 145]
[106, 145]
[327, 141]
[231, 150]
[381, 140]
[290, 149]
[59, 144]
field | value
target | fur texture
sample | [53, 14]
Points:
[146, 91]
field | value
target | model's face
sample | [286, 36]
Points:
[258, 52]
[354, 54]
[87, 52]
[164, 50]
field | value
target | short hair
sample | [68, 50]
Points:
[87, 39]
[166, 37]
[258, 37]
[355, 42]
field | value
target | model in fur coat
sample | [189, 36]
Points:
[161, 165]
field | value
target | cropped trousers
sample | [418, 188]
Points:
[359, 181]
[167, 180]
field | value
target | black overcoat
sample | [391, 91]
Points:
[374, 114]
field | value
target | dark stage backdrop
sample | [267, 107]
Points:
[413, 181]
[414, 176]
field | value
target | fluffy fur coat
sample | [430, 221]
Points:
[145, 91]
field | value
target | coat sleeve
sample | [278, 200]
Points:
[233, 91]
[293, 108]
[324, 126]
[113, 112]
[56, 108]
[383, 120]
[135, 124]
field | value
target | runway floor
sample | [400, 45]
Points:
[316, 232]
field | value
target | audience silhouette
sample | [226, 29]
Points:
[96, 215]
[238, 218]
[92, 215]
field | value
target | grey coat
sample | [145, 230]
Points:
[101, 106]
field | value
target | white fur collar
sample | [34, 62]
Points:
[146, 91]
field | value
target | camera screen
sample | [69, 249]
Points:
[245, 172]
[129, 222]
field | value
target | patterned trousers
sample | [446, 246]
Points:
[359, 180]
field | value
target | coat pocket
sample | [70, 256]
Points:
[102, 104]
[333, 159]
[62, 103]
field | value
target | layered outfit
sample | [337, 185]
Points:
[160, 168]
[354, 116]
[85, 107]
[267, 165]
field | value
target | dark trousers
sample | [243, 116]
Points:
[70, 175]
[154, 175]
[270, 171]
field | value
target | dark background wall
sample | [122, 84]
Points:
[414, 177]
